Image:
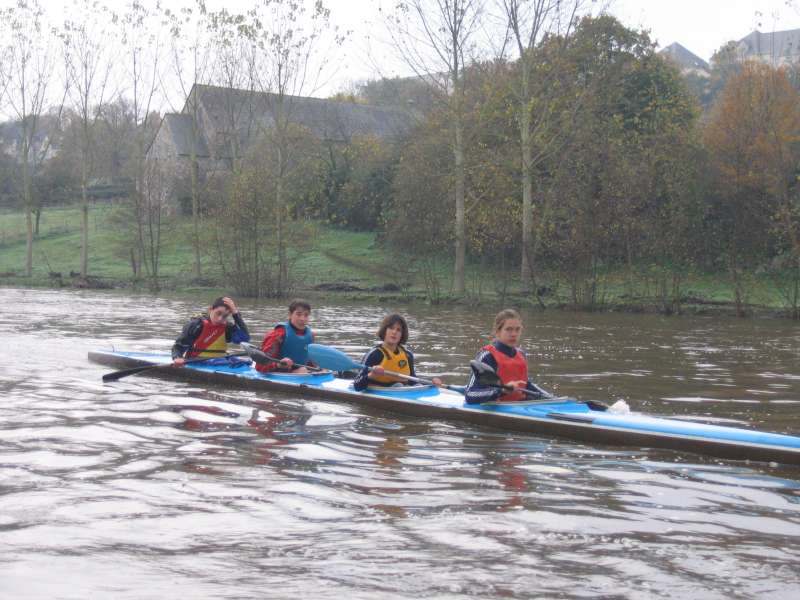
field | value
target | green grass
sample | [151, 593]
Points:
[333, 256]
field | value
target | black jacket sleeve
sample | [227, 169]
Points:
[372, 358]
[476, 393]
[187, 338]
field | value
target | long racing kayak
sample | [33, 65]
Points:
[559, 417]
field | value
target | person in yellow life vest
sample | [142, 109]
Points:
[389, 355]
[507, 360]
[209, 334]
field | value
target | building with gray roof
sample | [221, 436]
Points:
[777, 48]
[687, 61]
[219, 125]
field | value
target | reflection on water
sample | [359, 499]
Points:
[146, 488]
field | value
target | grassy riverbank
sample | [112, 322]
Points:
[352, 265]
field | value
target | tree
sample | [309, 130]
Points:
[28, 67]
[286, 38]
[190, 63]
[435, 39]
[752, 137]
[530, 22]
[89, 61]
[142, 37]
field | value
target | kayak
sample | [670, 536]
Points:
[556, 416]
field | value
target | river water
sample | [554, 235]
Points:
[150, 488]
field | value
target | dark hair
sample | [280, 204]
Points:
[391, 321]
[218, 302]
[297, 303]
[503, 316]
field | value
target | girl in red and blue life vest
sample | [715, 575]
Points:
[288, 341]
[507, 360]
[390, 355]
[209, 334]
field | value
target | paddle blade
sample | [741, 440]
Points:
[257, 355]
[331, 358]
[484, 374]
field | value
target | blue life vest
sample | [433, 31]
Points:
[295, 346]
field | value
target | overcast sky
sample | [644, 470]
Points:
[702, 26]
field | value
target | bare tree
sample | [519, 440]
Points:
[233, 43]
[190, 66]
[287, 39]
[435, 38]
[142, 42]
[27, 71]
[89, 60]
[529, 23]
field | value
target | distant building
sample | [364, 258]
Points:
[217, 125]
[687, 62]
[777, 48]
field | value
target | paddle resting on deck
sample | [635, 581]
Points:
[336, 360]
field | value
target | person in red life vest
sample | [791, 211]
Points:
[508, 361]
[390, 355]
[208, 335]
[288, 341]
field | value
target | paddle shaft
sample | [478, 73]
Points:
[133, 371]
[261, 357]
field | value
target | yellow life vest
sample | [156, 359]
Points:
[392, 361]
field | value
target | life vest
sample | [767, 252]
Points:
[510, 368]
[295, 346]
[210, 342]
[392, 361]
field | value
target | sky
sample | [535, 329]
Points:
[702, 26]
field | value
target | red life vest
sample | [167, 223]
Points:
[510, 369]
[210, 342]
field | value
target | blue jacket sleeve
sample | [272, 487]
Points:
[476, 393]
[373, 357]
[237, 332]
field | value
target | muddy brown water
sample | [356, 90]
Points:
[148, 488]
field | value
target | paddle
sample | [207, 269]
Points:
[336, 360]
[485, 375]
[134, 370]
[262, 358]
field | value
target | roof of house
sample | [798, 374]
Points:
[775, 43]
[179, 128]
[330, 119]
[249, 114]
[683, 57]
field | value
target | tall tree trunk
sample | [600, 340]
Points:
[84, 219]
[526, 270]
[26, 183]
[460, 190]
[195, 218]
[279, 226]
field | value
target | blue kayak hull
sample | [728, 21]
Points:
[565, 418]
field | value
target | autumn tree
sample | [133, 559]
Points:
[752, 138]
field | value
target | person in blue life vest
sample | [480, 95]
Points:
[389, 355]
[208, 335]
[288, 341]
[507, 360]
